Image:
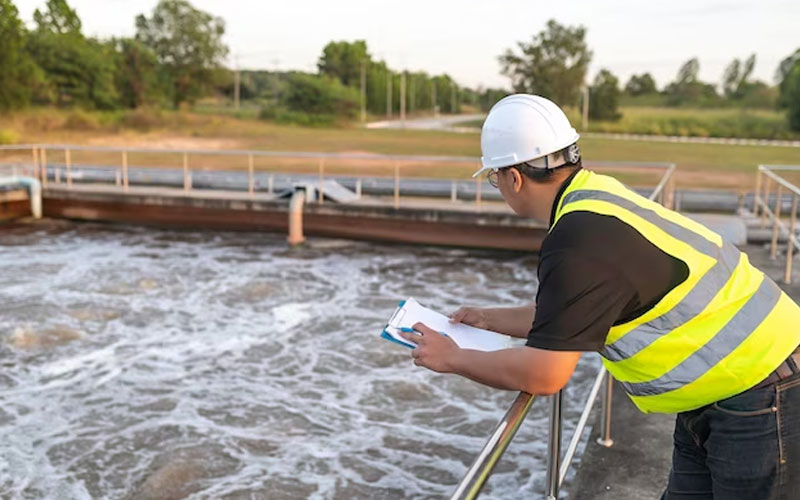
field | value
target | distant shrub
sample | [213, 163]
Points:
[81, 120]
[289, 117]
[8, 137]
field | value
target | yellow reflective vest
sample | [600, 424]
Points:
[718, 333]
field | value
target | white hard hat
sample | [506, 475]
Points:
[523, 127]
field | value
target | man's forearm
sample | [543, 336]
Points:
[513, 321]
[517, 369]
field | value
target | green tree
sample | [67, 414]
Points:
[342, 60]
[58, 18]
[188, 43]
[643, 84]
[790, 94]
[321, 95]
[736, 76]
[688, 89]
[553, 64]
[604, 97]
[19, 75]
[78, 71]
[136, 73]
[785, 69]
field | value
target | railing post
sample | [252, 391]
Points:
[35, 155]
[554, 447]
[124, 169]
[757, 192]
[271, 183]
[773, 248]
[766, 202]
[321, 188]
[43, 160]
[68, 160]
[605, 416]
[396, 185]
[453, 192]
[358, 188]
[251, 184]
[187, 176]
[790, 245]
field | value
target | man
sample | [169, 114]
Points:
[680, 317]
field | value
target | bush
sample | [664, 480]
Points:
[288, 117]
[8, 137]
[321, 95]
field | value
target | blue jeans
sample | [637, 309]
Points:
[746, 447]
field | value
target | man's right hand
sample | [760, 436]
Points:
[474, 316]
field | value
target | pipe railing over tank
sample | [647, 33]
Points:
[481, 469]
[765, 177]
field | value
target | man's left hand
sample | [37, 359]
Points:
[434, 350]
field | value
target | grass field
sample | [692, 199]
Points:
[699, 165]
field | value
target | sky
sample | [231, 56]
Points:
[464, 38]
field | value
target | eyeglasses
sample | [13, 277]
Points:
[493, 177]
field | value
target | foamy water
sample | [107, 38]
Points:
[153, 364]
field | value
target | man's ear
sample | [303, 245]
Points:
[517, 180]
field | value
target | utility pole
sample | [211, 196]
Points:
[585, 127]
[363, 91]
[412, 96]
[236, 83]
[388, 93]
[403, 96]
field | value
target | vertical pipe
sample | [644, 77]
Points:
[68, 160]
[57, 174]
[554, 447]
[773, 248]
[117, 178]
[396, 185]
[766, 202]
[358, 188]
[321, 188]
[43, 159]
[187, 177]
[125, 170]
[296, 218]
[790, 248]
[757, 192]
[605, 416]
[251, 184]
[271, 183]
[453, 192]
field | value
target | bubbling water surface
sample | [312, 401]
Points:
[155, 364]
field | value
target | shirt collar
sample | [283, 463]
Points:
[564, 185]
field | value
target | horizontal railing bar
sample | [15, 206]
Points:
[777, 178]
[476, 476]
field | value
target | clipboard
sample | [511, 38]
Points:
[410, 312]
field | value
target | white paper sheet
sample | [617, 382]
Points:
[465, 336]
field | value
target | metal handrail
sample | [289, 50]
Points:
[470, 485]
[761, 205]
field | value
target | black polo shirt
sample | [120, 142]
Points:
[595, 272]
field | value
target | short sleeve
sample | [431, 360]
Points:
[578, 301]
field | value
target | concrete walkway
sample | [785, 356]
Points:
[637, 466]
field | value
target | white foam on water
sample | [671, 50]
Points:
[264, 362]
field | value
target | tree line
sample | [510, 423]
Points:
[555, 63]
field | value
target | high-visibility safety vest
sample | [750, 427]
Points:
[721, 331]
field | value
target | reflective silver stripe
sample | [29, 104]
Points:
[697, 241]
[690, 306]
[727, 339]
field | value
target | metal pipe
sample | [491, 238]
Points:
[358, 188]
[576, 436]
[396, 185]
[757, 192]
[605, 416]
[43, 159]
[187, 176]
[34, 187]
[296, 218]
[453, 192]
[787, 278]
[477, 474]
[125, 170]
[554, 447]
[68, 160]
[773, 247]
[251, 184]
